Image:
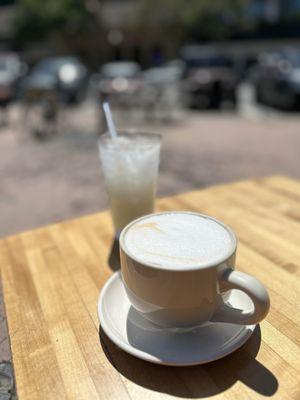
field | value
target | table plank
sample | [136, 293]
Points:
[52, 277]
[36, 360]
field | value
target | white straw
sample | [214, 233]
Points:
[110, 123]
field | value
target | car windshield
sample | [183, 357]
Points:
[294, 58]
[272, 59]
[126, 70]
[52, 66]
[4, 64]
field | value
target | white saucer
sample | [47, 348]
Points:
[132, 333]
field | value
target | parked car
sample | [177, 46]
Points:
[11, 71]
[277, 78]
[162, 90]
[66, 75]
[209, 77]
[119, 81]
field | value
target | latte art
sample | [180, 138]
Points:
[177, 239]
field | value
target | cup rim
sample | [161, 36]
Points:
[210, 264]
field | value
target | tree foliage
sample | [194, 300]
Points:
[36, 19]
[198, 19]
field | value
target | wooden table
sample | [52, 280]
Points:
[52, 277]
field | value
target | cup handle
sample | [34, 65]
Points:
[232, 279]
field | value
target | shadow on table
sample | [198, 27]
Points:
[196, 381]
[114, 256]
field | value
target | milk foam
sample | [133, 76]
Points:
[176, 240]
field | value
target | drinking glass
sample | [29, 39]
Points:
[130, 166]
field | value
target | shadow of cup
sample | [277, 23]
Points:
[114, 256]
[196, 381]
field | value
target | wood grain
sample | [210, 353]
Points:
[52, 277]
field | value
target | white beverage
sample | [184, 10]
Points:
[130, 165]
[177, 239]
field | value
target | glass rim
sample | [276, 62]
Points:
[106, 137]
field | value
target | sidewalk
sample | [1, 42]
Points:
[44, 182]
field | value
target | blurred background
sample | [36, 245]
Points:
[220, 79]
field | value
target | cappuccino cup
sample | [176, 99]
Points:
[177, 268]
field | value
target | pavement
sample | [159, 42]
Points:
[7, 388]
[42, 182]
[60, 178]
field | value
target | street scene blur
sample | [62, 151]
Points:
[219, 80]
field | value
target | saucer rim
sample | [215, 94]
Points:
[148, 357]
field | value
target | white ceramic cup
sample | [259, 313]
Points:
[191, 296]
